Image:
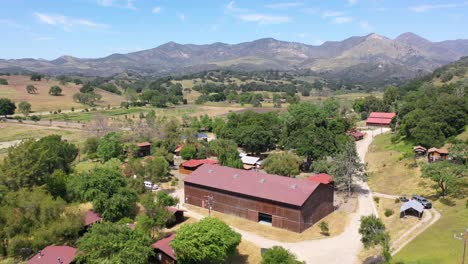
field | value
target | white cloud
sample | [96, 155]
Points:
[365, 26]
[128, 4]
[425, 8]
[342, 20]
[67, 23]
[332, 14]
[44, 38]
[233, 8]
[181, 17]
[156, 10]
[263, 19]
[284, 5]
[352, 2]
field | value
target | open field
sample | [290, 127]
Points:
[42, 101]
[391, 173]
[11, 132]
[337, 221]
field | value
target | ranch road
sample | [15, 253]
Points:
[340, 249]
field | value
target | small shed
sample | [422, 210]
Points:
[435, 154]
[144, 149]
[164, 252]
[191, 165]
[178, 216]
[412, 207]
[322, 178]
[91, 218]
[420, 150]
[250, 162]
[357, 135]
[54, 254]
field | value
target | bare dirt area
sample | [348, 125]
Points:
[42, 101]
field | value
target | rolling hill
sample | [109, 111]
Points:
[359, 57]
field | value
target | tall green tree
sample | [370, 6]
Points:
[7, 107]
[112, 243]
[285, 164]
[31, 89]
[55, 90]
[279, 255]
[374, 233]
[24, 107]
[110, 146]
[155, 217]
[448, 177]
[32, 162]
[226, 151]
[208, 241]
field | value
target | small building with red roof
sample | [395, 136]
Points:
[322, 178]
[144, 149]
[91, 218]
[54, 254]
[164, 252]
[357, 135]
[279, 201]
[178, 216]
[435, 154]
[191, 165]
[380, 119]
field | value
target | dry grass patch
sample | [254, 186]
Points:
[247, 253]
[42, 101]
[395, 225]
[11, 131]
[337, 222]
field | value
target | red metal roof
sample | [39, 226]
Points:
[440, 151]
[144, 144]
[255, 184]
[165, 246]
[179, 148]
[321, 178]
[193, 163]
[92, 217]
[51, 254]
[379, 121]
[389, 115]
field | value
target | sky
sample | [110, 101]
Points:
[97, 28]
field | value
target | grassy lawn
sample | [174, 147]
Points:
[12, 132]
[391, 173]
[436, 245]
[337, 221]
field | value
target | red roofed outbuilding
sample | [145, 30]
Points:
[322, 178]
[144, 149]
[54, 254]
[164, 252]
[283, 202]
[380, 119]
[191, 165]
[91, 218]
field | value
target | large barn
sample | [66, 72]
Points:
[380, 119]
[279, 201]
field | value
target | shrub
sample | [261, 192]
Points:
[397, 200]
[376, 200]
[324, 230]
[3, 81]
[188, 152]
[388, 212]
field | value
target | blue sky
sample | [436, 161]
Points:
[96, 28]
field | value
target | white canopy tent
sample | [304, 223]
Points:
[413, 205]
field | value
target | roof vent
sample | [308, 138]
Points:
[262, 180]
[235, 176]
[210, 171]
[294, 186]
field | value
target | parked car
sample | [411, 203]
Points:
[155, 188]
[403, 199]
[423, 201]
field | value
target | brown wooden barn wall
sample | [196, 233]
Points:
[293, 218]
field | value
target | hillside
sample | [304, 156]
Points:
[42, 101]
[368, 57]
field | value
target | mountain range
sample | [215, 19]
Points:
[359, 57]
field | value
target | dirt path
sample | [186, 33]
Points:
[7, 144]
[340, 249]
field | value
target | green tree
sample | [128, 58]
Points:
[112, 243]
[7, 107]
[156, 169]
[208, 241]
[36, 77]
[391, 95]
[35, 118]
[226, 151]
[279, 255]
[347, 167]
[91, 146]
[3, 81]
[156, 216]
[55, 90]
[373, 233]
[285, 164]
[24, 107]
[324, 229]
[188, 152]
[31, 89]
[32, 162]
[448, 177]
[107, 189]
[110, 146]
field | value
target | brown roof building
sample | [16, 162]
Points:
[380, 119]
[191, 165]
[54, 254]
[435, 154]
[279, 201]
[164, 252]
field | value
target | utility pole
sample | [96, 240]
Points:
[209, 201]
[463, 236]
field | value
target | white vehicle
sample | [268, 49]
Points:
[148, 184]
[154, 188]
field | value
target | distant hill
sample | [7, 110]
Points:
[356, 58]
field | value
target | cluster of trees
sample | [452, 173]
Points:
[161, 94]
[369, 104]
[7, 107]
[55, 90]
[450, 178]
[3, 81]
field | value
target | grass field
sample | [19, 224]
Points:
[12, 132]
[436, 245]
[337, 221]
[42, 101]
[390, 172]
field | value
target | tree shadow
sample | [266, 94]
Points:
[447, 201]
[373, 260]
[237, 258]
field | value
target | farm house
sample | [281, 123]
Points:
[282, 202]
